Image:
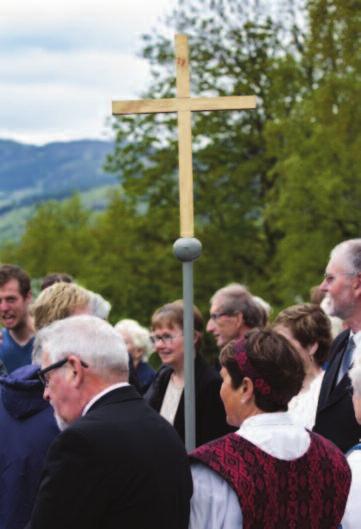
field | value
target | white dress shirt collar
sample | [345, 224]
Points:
[356, 337]
[101, 394]
[276, 434]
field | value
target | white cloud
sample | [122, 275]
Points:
[62, 63]
[135, 12]
[106, 70]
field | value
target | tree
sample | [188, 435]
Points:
[275, 188]
[231, 53]
[316, 200]
[56, 239]
[131, 266]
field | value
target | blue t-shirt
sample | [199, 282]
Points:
[14, 355]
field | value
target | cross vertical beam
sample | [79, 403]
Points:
[186, 248]
[184, 139]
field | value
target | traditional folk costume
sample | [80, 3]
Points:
[270, 474]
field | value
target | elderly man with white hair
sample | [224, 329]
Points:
[117, 463]
[352, 516]
[335, 418]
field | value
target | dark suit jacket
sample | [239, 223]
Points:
[121, 466]
[335, 418]
[210, 415]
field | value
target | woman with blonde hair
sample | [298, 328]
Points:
[59, 301]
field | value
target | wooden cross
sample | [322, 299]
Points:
[184, 105]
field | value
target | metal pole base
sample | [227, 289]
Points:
[188, 250]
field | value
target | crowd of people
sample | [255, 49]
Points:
[93, 436]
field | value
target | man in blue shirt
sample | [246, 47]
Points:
[18, 332]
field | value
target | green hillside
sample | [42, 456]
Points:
[13, 222]
[31, 175]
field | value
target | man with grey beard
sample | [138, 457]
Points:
[335, 417]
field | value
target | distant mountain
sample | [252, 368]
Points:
[30, 175]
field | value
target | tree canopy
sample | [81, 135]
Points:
[275, 188]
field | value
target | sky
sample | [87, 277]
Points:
[63, 62]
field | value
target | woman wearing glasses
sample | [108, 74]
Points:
[166, 392]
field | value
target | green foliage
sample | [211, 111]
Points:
[275, 188]
[315, 203]
[56, 239]
[230, 54]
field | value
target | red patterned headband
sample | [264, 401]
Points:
[248, 370]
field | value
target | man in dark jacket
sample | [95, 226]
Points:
[335, 418]
[27, 427]
[117, 463]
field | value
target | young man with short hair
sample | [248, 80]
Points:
[17, 336]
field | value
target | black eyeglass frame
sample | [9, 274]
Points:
[56, 365]
[216, 315]
[154, 338]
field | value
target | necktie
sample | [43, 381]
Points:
[346, 360]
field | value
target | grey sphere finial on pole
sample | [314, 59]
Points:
[187, 250]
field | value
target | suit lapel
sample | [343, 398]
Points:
[339, 391]
[329, 393]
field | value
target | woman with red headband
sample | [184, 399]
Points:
[271, 472]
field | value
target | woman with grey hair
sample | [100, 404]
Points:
[351, 519]
[139, 345]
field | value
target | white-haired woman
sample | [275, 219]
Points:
[139, 345]
[352, 516]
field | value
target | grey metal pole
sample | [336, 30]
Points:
[187, 250]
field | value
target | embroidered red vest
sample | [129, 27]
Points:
[306, 493]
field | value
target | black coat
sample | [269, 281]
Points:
[119, 466]
[210, 415]
[335, 417]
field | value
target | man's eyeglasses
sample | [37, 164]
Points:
[43, 374]
[214, 316]
[164, 338]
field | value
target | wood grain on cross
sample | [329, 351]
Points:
[184, 105]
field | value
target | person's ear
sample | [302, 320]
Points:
[357, 284]
[239, 320]
[246, 390]
[197, 337]
[312, 349]
[29, 297]
[76, 370]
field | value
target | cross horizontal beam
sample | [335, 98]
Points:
[178, 104]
